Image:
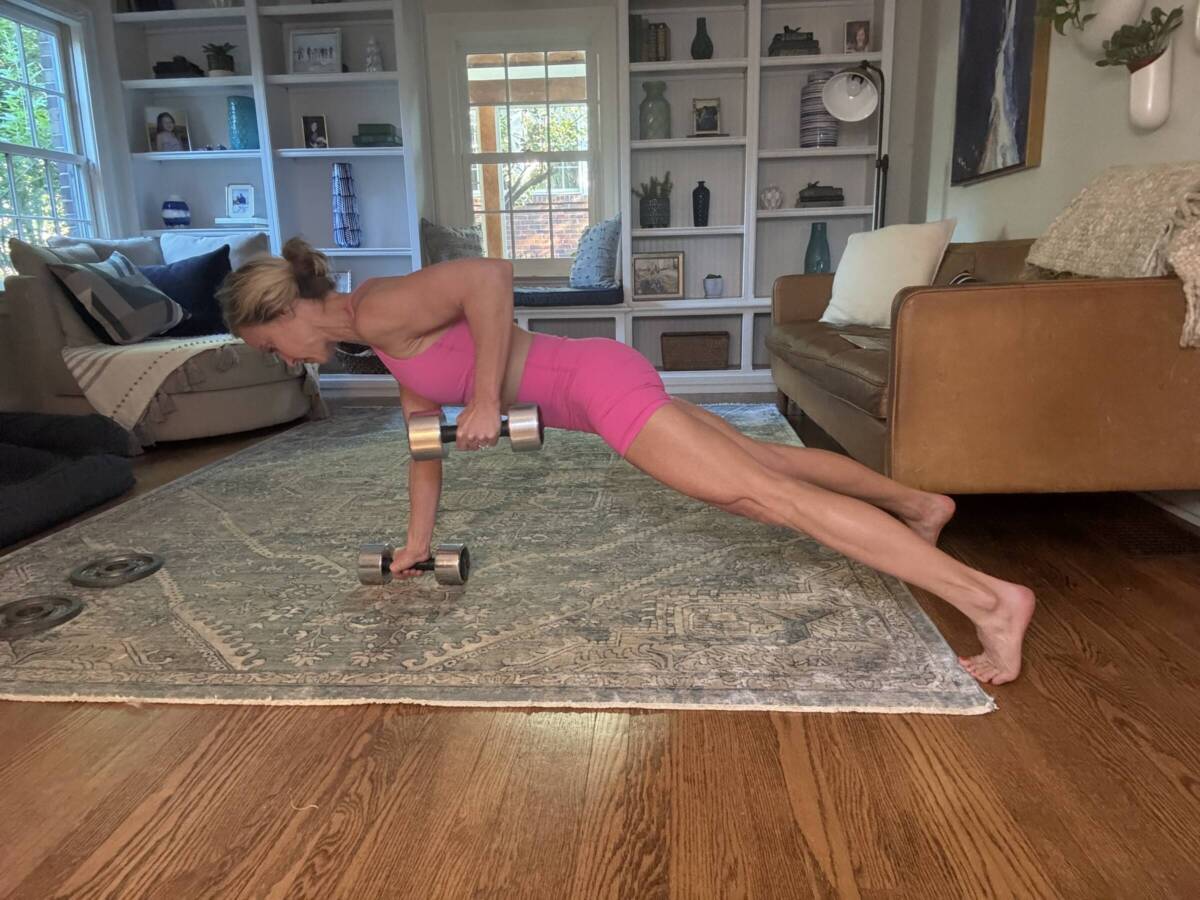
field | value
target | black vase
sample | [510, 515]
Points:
[700, 198]
[702, 45]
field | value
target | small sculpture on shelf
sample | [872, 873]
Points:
[374, 56]
[654, 202]
[794, 42]
[770, 197]
[817, 194]
[177, 67]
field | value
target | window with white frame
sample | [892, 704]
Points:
[43, 178]
[531, 152]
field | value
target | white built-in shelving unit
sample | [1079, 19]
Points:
[760, 110]
[291, 182]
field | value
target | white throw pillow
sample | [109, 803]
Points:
[879, 264]
[179, 245]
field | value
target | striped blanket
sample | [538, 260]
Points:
[124, 382]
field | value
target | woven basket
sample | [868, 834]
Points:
[359, 359]
[695, 350]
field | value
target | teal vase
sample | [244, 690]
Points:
[243, 124]
[816, 258]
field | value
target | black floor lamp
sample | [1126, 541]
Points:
[852, 95]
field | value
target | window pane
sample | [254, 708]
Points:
[496, 233]
[528, 185]
[485, 78]
[6, 199]
[489, 129]
[10, 57]
[14, 119]
[487, 186]
[526, 77]
[50, 119]
[529, 129]
[67, 189]
[41, 58]
[568, 227]
[39, 231]
[567, 71]
[569, 184]
[8, 228]
[569, 126]
[29, 175]
[531, 235]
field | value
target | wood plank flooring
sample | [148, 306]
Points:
[1085, 783]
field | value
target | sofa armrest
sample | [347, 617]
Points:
[37, 341]
[1055, 386]
[800, 298]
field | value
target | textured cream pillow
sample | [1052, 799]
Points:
[878, 264]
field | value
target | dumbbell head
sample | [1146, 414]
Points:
[375, 563]
[525, 429]
[425, 436]
[451, 564]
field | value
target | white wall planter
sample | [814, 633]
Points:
[1196, 30]
[1150, 92]
[1110, 15]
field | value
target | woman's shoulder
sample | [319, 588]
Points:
[381, 307]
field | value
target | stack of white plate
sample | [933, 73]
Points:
[818, 127]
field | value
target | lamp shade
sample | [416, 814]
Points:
[850, 96]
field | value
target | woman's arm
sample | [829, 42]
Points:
[424, 492]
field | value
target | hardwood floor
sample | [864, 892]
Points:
[1085, 783]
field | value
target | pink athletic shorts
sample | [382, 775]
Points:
[592, 384]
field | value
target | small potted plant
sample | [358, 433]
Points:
[220, 59]
[654, 206]
[1064, 12]
[1137, 46]
[1090, 21]
[714, 286]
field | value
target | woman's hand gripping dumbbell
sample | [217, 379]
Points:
[450, 564]
[429, 437]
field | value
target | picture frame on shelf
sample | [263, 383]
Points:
[657, 276]
[315, 51]
[315, 132]
[858, 36]
[167, 130]
[239, 201]
[343, 282]
[706, 117]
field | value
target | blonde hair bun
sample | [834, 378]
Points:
[266, 288]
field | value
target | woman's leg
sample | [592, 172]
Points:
[924, 513]
[703, 462]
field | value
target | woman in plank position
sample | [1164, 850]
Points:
[446, 332]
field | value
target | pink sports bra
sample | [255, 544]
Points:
[443, 372]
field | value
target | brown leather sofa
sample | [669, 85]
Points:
[1001, 386]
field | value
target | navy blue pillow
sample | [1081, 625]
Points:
[193, 283]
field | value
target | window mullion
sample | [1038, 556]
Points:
[549, 165]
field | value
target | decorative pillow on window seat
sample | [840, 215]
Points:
[441, 243]
[117, 301]
[596, 259]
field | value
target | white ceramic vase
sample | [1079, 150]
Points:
[1110, 15]
[1150, 92]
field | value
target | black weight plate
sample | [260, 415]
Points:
[112, 571]
[31, 615]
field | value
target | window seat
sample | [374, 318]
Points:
[564, 295]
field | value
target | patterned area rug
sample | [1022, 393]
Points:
[592, 586]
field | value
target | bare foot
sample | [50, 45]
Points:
[934, 511]
[1001, 632]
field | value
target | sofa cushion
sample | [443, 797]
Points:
[243, 246]
[193, 283]
[561, 295]
[233, 365]
[440, 243]
[121, 304]
[35, 262]
[141, 251]
[833, 358]
[876, 265]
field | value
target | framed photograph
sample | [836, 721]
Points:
[315, 51]
[706, 117]
[1015, 55]
[858, 36]
[239, 201]
[657, 276]
[167, 130]
[342, 281]
[316, 132]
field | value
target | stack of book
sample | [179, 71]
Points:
[649, 41]
[377, 135]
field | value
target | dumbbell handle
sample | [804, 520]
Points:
[450, 432]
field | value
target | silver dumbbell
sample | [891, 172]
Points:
[429, 437]
[450, 564]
